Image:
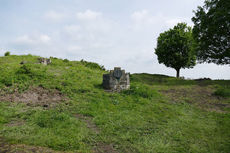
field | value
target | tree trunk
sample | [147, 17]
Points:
[177, 73]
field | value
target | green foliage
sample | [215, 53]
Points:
[138, 90]
[175, 48]
[223, 91]
[66, 60]
[25, 69]
[21, 76]
[92, 65]
[7, 53]
[32, 71]
[212, 31]
[7, 81]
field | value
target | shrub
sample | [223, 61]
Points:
[7, 53]
[53, 57]
[92, 65]
[7, 81]
[27, 72]
[223, 91]
[25, 69]
[66, 60]
[7, 77]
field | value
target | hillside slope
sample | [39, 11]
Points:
[62, 107]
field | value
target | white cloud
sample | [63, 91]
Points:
[74, 48]
[88, 15]
[32, 39]
[144, 20]
[138, 15]
[24, 39]
[72, 28]
[171, 22]
[35, 43]
[54, 16]
[142, 16]
[44, 38]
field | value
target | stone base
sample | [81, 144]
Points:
[116, 80]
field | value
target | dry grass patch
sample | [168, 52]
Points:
[6, 147]
[201, 96]
[35, 96]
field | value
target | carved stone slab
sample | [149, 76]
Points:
[116, 80]
[117, 73]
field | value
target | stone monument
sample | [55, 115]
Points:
[116, 80]
[44, 61]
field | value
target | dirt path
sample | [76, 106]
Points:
[98, 147]
[88, 122]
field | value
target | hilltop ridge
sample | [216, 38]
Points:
[62, 107]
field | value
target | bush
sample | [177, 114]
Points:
[53, 57]
[92, 65]
[25, 69]
[7, 81]
[7, 53]
[66, 60]
[29, 72]
[223, 91]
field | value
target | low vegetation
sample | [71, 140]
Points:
[222, 91]
[7, 53]
[158, 114]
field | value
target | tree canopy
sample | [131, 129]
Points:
[175, 48]
[212, 31]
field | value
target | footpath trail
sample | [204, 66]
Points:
[99, 147]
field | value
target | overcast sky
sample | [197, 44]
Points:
[110, 32]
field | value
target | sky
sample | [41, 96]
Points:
[110, 32]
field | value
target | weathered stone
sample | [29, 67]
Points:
[44, 61]
[116, 80]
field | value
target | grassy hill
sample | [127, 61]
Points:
[62, 107]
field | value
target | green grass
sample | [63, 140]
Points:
[47, 128]
[141, 119]
[223, 91]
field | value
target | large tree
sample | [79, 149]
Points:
[175, 48]
[212, 31]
